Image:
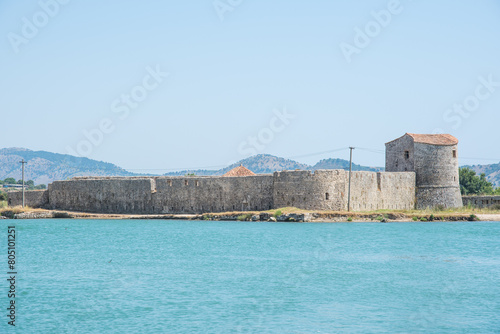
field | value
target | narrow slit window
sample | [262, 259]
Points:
[407, 154]
[454, 153]
[327, 196]
[186, 182]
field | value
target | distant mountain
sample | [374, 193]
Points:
[492, 172]
[266, 164]
[44, 167]
[343, 164]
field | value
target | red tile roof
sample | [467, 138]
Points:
[437, 139]
[239, 171]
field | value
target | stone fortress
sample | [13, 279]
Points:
[421, 171]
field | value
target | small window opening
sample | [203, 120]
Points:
[327, 196]
[197, 183]
[407, 154]
[454, 153]
[170, 183]
[186, 182]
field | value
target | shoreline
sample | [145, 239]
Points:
[300, 216]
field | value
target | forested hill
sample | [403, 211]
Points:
[44, 167]
[492, 172]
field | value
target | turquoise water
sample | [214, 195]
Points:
[137, 276]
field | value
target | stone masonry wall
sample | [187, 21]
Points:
[102, 195]
[321, 190]
[395, 159]
[212, 194]
[32, 198]
[437, 176]
[328, 189]
[482, 201]
[163, 194]
[375, 191]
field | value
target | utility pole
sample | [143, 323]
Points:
[23, 162]
[350, 171]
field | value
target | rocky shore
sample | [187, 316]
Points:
[261, 216]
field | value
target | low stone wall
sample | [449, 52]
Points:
[481, 201]
[33, 198]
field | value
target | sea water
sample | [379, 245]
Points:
[161, 276]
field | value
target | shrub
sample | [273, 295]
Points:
[495, 207]
[473, 218]
[415, 219]
[349, 219]
[423, 219]
[244, 217]
[431, 218]
[62, 215]
[278, 213]
[3, 196]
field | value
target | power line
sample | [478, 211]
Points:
[370, 150]
[317, 153]
[485, 159]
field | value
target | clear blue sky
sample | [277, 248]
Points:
[70, 68]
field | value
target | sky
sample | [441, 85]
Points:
[165, 85]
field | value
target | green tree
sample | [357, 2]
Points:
[3, 196]
[41, 186]
[9, 180]
[472, 184]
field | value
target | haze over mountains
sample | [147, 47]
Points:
[44, 167]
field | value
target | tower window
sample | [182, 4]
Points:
[186, 182]
[407, 154]
[454, 153]
[327, 196]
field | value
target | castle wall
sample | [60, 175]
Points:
[321, 190]
[482, 201]
[212, 194]
[103, 195]
[32, 198]
[328, 189]
[163, 194]
[376, 191]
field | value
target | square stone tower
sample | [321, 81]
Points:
[434, 159]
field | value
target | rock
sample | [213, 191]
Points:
[33, 215]
[255, 218]
[264, 216]
[272, 219]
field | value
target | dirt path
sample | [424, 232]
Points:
[489, 217]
